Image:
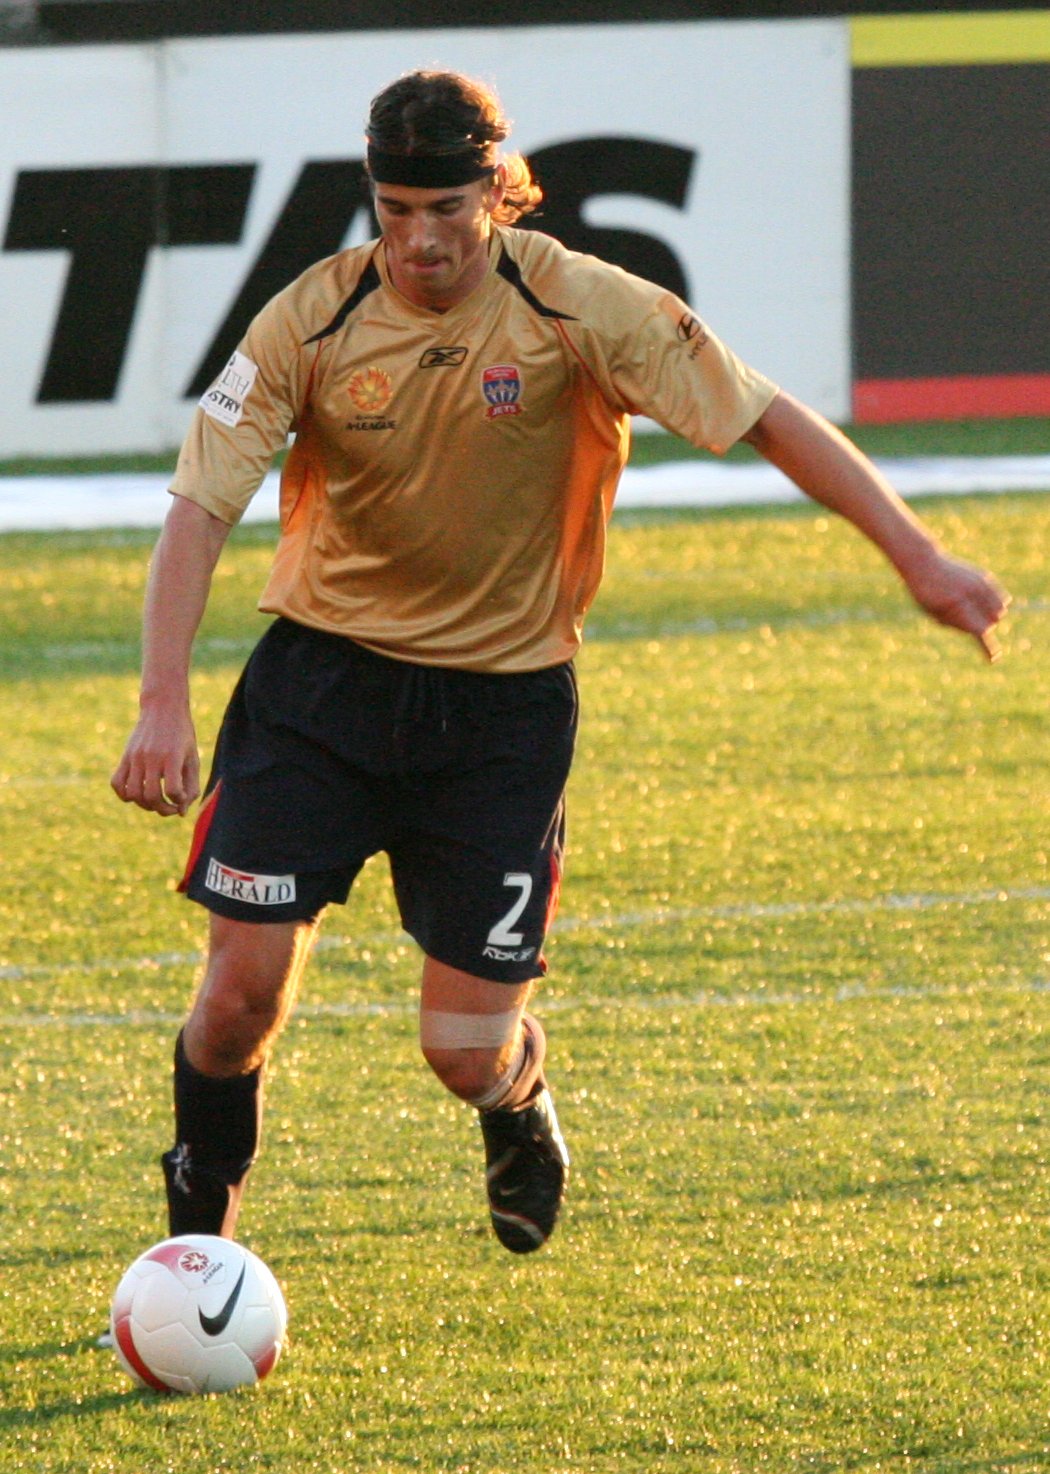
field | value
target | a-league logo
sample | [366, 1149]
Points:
[371, 389]
[501, 386]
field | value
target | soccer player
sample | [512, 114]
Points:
[460, 393]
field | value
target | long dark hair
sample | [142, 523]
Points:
[436, 113]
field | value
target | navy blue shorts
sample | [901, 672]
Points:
[330, 753]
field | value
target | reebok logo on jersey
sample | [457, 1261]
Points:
[501, 386]
[225, 400]
[443, 357]
[256, 890]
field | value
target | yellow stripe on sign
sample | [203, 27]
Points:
[950, 39]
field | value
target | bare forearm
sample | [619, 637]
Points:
[160, 768]
[828, 467]
[176, 597]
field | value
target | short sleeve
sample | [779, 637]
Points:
[244, 418]
[653, 355]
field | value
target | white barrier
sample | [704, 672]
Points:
[42, 503]
[141, 185]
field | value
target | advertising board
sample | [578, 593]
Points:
[153, 196]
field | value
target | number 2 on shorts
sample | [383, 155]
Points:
[501, 934]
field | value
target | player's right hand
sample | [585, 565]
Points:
[160, 768]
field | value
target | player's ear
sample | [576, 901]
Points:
[497, 188]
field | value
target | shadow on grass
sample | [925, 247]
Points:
[909, 1186]
[70, 1407]
[43, 1258]
[14, 1418]
[51, 1350]
[1005, 1463]
[1037, 1460]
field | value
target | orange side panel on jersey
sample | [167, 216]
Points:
[200, 834]
[560, 326]
[959, 397]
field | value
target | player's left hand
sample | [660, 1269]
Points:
[966, 598]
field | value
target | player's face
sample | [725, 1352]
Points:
[437, 240]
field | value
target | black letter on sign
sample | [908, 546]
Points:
[571, 173]
[312, 224]
[108, 219]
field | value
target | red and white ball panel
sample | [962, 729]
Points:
[198, 1314]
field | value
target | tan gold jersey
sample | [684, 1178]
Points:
[446, 496]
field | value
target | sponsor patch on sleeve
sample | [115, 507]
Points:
[226, 398]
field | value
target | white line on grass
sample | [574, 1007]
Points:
[640, 1002]
[781, 910]
[645, 1003]
[605, 629]
[786, 910]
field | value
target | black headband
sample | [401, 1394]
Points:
[428, 171]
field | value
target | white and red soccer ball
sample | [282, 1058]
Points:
[198, 1314]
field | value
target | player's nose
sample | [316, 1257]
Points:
[421, 236]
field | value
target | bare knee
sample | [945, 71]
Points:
[230, 1028]
[468, 1073]
[249, 986]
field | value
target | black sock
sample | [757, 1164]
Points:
[218, 1119]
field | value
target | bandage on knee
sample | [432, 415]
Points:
[524, 1076]
[438, 1030]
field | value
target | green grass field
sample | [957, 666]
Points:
[798, 1015]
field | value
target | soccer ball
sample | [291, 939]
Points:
[198, 1314]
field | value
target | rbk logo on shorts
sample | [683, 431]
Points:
[501, 386]
[508, 954]
[256, 890]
